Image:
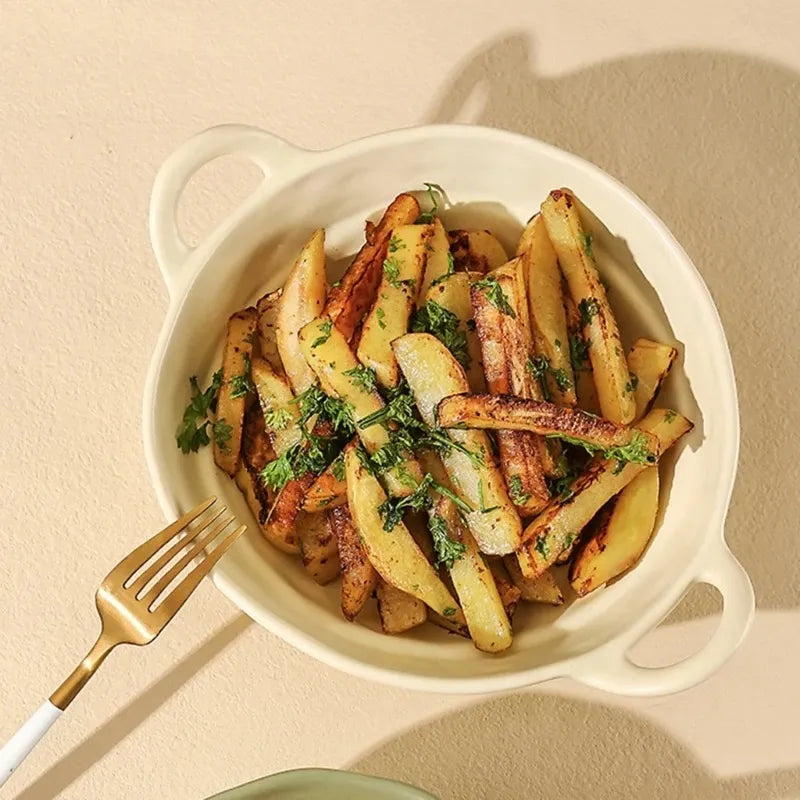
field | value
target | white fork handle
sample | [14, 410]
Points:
[26, 738]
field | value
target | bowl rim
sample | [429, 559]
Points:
[710, 557]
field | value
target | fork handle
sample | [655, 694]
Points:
[26, 738]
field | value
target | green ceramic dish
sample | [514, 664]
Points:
[322, 784]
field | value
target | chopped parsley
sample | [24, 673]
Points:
[396, 244]
[630, 386]
[636, 451]
[436, 195]
[242, 384]
[445, 326]
[541, 547]
[670, 415]
[447, 550]
[391, 269]
[449, 611]
[362, 377]
[578, 352]
[191, 436]
[325, 329]
[588, 308]
[451, 268]
[482, 505]
[337, 467]
[277, 418]
[222, 433]
[495, 295]
[516, 492]
[538, 368]
[381, 315]
[586, 239]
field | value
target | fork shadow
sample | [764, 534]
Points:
[545, 746]
[709, 141]
[80, 759]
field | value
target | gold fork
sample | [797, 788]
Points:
[135, 602]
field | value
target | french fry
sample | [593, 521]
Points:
[260, 501]
[562, 521]
[318, 547]
[388, 318]
[452, 293]
[348, 302]
[508, 412]
[573, 248]
[543, 589]
[232, 399]
[432, 373]
[398, 610]
[487, 621]
[257, 449]
[504, 347]
[476, 251]
[618, 535]
[280, 523]
[327, 352]
[649, 363]
[509, 593]
[302, 300]
[267, 308]
[359, 577]
[277, 404]
[439, 262]
[329, 489]
[547, 315]
[585, 389]
[396, 557]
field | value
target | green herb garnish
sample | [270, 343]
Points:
[381, 315]
[325, 329]
[578, 352]
[542, 547]
[362, 377]
[445, 326]
[636, 451]
[337, 467]
[222, 433]
[670, 415]
[515, 491]
[449, 611]
[277, 418]
[451, 268]
[396, 244]
[587, 244]
[588, 308]
[630, 386]
[242, 384]
[482, 507]
[191, 436]
[436, 194]
[495, 295]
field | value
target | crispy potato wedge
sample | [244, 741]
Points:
[359, 577]
[432, 374]
[509, 593]
[348, 302]
[439, 262]
[326, 350]
[329, 489]
[563, 520]
[396, 557]
[398, 610]
[267, 308]
[259, 500]
[543, 589]
[649, 363]
[302, 300]
[618, 535]
[388, 318]
[487, 620]
[257, 449]
[476, 251]
[547, 314]
[281, 520]
[280, 412]
[232, 399]
[319, 548]
[573, 248]
[452, 293]
[508, 412]
[505, 356]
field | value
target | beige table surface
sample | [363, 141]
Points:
[694, 104]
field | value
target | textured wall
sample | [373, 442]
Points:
[695, 105]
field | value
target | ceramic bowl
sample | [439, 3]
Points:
[496, 180]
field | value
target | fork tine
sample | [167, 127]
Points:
[180, 594]
[169, 554]
[197, 547]
[137, 557]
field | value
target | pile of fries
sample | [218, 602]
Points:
[444, 427]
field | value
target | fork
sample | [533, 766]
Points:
[132, 609]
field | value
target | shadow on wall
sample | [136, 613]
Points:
[710, 142]
[542, 746]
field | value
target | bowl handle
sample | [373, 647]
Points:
[270, 153]
[611, 670]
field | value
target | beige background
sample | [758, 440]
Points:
[694, 104]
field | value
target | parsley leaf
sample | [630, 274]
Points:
[325, 329]
[670, 416]
[337, 467]
[586, 240]
[277, 418]
[636, 451]
[515, 491]
[482, 505]
[588, 308]
[242, 384]
[451, 268]
[447, 550]
[578, 352]
[191, 436]
[445, 326]
[495, 295]
[362, 377]
[436, 195]
[396, 244]
[222, 433]
[539, 367]
[630, 386]
[381, 315]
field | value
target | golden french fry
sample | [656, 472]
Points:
[476, 251]
[359, 577]
[439, 263]
[267, 308]
[398, 610]
[318, 547]
[543, 589]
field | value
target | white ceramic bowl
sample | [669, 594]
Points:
[496, 180]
